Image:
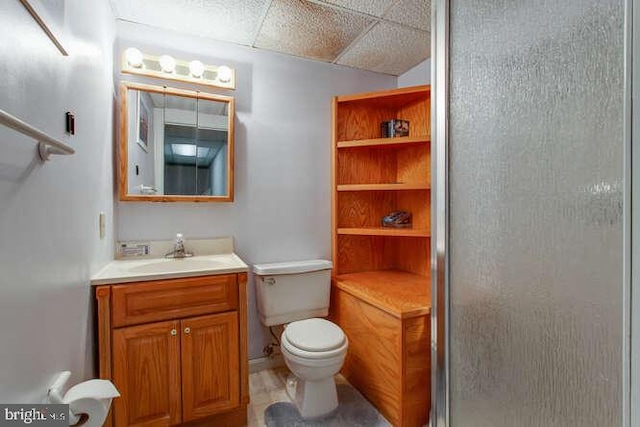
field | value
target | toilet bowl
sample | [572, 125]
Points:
[296, 294]
[314, 350]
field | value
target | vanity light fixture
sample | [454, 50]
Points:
[167, 63]
[133, 57]
[196, 68]
[167, 67]
[224, 73]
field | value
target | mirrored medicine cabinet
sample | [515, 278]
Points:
[175, 145]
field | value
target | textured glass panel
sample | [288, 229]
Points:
[536, 250]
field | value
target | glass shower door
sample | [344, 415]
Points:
[536, 233]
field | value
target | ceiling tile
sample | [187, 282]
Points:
[388, 48]
[301, 28]
[235, 21]
[371, 7]
[415, 13]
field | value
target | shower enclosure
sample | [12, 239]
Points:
[531, 252]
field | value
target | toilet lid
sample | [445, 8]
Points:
[314, 335]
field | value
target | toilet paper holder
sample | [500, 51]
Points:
[92, 398]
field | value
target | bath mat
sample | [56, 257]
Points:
[353, 411]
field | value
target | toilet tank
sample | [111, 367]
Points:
[290, 291]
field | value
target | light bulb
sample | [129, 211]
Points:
[196, 68]
[167, 63]
[133, 57]
[224, 73]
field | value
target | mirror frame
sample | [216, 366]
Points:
[124, 141]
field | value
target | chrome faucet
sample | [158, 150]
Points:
[178, 248]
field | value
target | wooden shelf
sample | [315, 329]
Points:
[401, 294]
[383, 187]
[381, 142]
[380, 231]
[386, 97]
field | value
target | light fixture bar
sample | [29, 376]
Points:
[166, 67]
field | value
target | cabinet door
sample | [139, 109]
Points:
[146, 370]
[210, 365]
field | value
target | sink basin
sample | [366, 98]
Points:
[177, 265]
[213, 257]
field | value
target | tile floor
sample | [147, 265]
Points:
[267, 387]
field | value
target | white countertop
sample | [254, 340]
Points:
[150, 267]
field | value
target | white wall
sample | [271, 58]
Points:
[49, 241]
[282, 209]
[418, 75]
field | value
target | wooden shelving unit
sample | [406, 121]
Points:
[381, 287]
[373, 176]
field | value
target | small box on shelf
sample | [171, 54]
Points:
[394, 128]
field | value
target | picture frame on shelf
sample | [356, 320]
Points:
[142, 123]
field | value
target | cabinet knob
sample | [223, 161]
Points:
[187, 330]
[174, 332]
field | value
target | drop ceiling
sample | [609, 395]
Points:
[384, 36]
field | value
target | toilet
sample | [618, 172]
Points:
[296, 294]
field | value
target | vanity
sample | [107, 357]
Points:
[172, 332]
[172, 337]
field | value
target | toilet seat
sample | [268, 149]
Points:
[314, 339]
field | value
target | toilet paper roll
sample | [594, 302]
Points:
[92, 398]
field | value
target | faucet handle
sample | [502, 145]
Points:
[178, 248]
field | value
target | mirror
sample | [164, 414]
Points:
[175, 145]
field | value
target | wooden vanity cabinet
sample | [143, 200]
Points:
[176, 350]
[146, 371]
[380, 292]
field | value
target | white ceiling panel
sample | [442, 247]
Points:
[388, 48]
[386, 36]
[309, 30]
[371, 7]
[415, 13]
[235, 21]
